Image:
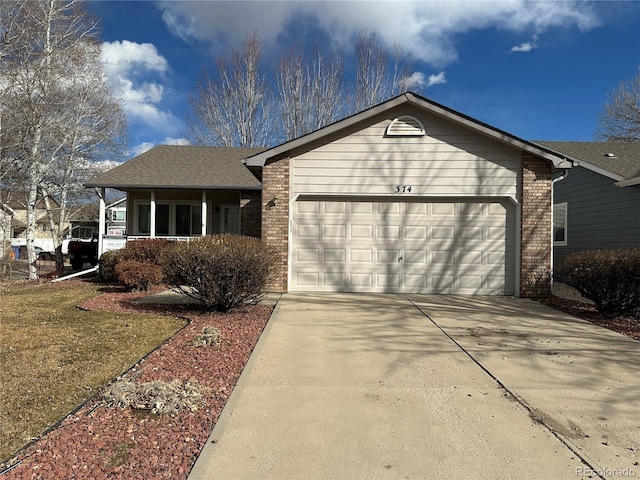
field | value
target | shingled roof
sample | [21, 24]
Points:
[618, 158]
[183, 167]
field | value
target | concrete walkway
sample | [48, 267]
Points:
[388, 386]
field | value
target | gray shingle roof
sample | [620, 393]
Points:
[625, 161]
[184, 167]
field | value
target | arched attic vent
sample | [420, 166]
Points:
[405, 126]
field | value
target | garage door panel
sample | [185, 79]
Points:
[362, 231]
[361, 280]
[386, 256]
[361, 208]
[361, 255]
[307, 255]
[335, 255]
[416, 232]
[461, 246]
[334, 231]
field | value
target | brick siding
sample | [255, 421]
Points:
[275, 218]
[535, 264]
[250, 213]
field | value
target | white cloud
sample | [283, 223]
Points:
[175, 141]
[438, 79]
[523, 47]
[427, 30]
[135, 72]
[141, 148]
[146, 146]
[526, 46]
[418, 81]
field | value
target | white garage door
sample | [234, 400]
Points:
[434, 246]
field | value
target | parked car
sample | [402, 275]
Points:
[40, 253]
[81, 252]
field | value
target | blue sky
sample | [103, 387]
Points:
[541, 70]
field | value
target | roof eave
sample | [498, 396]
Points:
[629, 182]
[124, 187]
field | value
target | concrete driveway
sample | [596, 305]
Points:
[390, 386]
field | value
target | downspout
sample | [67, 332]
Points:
[565, 172]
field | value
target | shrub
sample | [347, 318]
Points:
[611, 278]
[138, 275]
[107, 263]
[156, 396]
[220, 271]
[145, 250]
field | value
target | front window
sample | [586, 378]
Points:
[188, 219]
[230, 219]
[162, 219]
[560, 224]
[180, 219]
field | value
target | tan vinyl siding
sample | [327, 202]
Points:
[449, 160]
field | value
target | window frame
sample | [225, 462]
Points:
[564, 206]
[172, 204]
[228, 206]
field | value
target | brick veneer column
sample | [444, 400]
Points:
[535, 265]
[250, 213]
[275, 218]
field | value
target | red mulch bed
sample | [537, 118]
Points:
[99, 442]
[628, 326]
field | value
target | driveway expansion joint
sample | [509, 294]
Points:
[533, 413]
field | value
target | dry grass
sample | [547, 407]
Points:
[54, 356]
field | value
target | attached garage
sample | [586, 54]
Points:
[409, 197]
[446, 245]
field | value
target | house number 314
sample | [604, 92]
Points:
[403, 188]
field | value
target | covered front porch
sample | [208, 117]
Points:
[183, 214]
[182, 192]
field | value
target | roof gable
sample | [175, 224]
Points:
[184, 167]
[558, 160]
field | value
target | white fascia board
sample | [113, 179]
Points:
[117, 202]
[557, 159]
[629, 182]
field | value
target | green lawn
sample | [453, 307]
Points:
[53, 356]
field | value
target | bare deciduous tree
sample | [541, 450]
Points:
[310, 92]
[372, 78]
[52, 56]
[620, 118]
[234, 109]
[379, 72]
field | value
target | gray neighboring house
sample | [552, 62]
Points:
[597, 206]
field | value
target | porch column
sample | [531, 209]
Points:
[152, 220]
[204, 213]
[101, 222]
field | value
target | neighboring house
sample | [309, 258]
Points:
[598, 205]
[42, 233]
[117, 218]
[84, 220]
[6, 228]
[407, 196]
